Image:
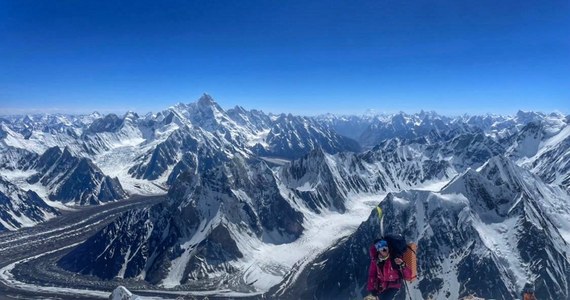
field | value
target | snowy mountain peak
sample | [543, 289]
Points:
[207, 100]
[131, 115]
[207, 104]
[205, 113]
[109, 123]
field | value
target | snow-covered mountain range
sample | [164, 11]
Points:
[95, 158]
[280, 203]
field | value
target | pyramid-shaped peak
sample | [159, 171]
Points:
[206, 99]
[207, 103]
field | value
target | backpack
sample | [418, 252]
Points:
[397, 244]
[407, 251]
[411, 260]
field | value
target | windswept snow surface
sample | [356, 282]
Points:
[267, 264]
[176, 271]
[546, 145]
[555, 140]
[112, 164]
[501, 239]
[260, 138]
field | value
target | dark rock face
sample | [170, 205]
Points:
[545, 252]
[322, 182]
[217, 250]
[110, 123]
[48, 159]
[322, 191]
[164, 155]
[131, 231]
[16, 159]
[18, 207]
[73, 179]
[291, 137]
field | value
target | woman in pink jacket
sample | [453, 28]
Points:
[386, 273]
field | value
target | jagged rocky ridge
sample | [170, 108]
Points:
[251, 133]
[19, 208]
[71, 179]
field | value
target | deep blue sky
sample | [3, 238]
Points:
[307, 57]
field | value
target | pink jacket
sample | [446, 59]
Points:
[386, 277]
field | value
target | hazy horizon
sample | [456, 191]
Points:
[369, 111]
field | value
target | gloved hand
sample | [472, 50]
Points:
[400, 262]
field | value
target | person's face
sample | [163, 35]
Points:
[383, 252]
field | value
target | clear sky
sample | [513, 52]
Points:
[304, 57]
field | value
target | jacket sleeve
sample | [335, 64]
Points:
[372, 277]
[407, 273]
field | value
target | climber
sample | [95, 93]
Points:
[386, 272]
